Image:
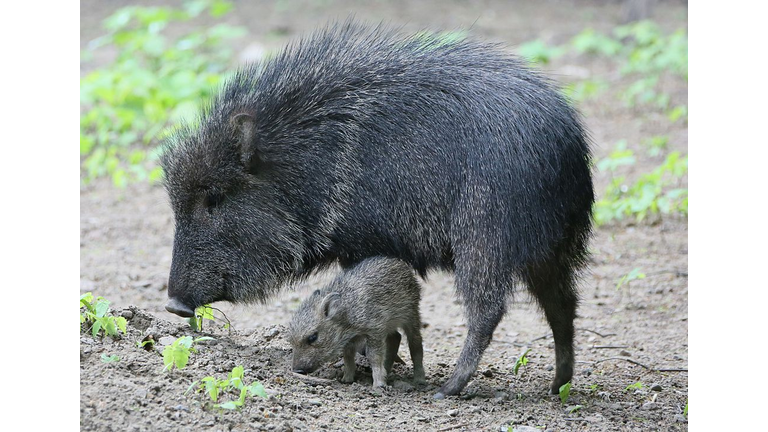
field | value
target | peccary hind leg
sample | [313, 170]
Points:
[554, 289]
[393, 344]
[413, 333]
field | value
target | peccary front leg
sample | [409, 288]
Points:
[393, 344]
[376, 352]
[417, 352]
[349, 363]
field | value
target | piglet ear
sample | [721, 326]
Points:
[330, 306]
[245, 134]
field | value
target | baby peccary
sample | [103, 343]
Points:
[366, 304]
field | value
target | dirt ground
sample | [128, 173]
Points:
[624, 336]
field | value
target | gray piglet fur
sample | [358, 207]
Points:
[365, 304]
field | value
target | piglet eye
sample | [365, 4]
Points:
[212, 200]
[312, 338]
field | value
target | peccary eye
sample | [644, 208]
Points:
[312, 338]
[212, 200]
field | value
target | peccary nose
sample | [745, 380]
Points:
[176, 307]
[300, 371]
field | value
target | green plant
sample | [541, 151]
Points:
[620, 156]
[644, 51]
[154, 80]
[656, 144]
[205, 312]
[650, 194]
[233, 383]
[564, 392]
[94, 313]
[635, 274]
[636, 386]
[677, 113]
[109, 358]
[583, 90]
[538, 51]
[177, 353]
[575, 408]
[522, 361]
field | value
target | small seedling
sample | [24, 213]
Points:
[635, 274]
[685, 410]
[565, 391]
[177, 353]
[109, 358]
[575, 408]
[148, 343]
[636, 386]
[205, 312]
[522, 361]
[234, 382]
[95, 311]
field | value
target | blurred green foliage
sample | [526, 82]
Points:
[652, 194]
[155, 80]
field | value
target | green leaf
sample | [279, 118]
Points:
[122, 324]
[109, 358]
[522, 361]
[101, 307]
[257, 389]
[565, 391]
[95, 329]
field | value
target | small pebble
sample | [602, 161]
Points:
[650, 406]
[452, 412]
[439, 396]
[314, 402]
[550, 367]
[625, 353]
[656, 387]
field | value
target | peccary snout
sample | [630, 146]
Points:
[177, 307]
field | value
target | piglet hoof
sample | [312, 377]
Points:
[346, 379]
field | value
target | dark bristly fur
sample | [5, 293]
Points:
[364, 305]
[358, 142]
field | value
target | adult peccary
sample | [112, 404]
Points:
[357, 142]
[364, 305]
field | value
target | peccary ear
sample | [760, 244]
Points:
[330, 306]
[245, 132]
